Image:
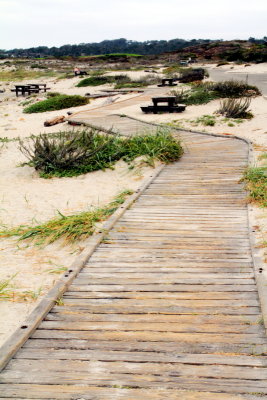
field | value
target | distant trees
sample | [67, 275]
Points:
[251, 50]
[108, 46]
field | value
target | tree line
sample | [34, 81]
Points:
[148, 47]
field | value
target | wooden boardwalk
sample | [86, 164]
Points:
[167, 306]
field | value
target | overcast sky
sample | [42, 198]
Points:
[28, 23]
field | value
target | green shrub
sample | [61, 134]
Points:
[234, 89]
[192, 75]
[56, 103]
[70, 154]
[94, 81]
[235, 108]
[52, 94]
[202, 93]
[67, 152]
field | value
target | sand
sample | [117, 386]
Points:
[28, 199]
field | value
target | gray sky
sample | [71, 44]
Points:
[29, 23]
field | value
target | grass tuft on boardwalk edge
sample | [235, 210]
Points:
[71, 228]
[256, 183]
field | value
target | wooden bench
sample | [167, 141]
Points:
[167, 82]
[169, 105]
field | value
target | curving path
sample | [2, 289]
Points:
[167, 306]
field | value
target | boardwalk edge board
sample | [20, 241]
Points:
[260, 273]
[21, 334]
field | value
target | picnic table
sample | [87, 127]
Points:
[30, 88]
[169, 105]
[167, 82]
[40, 86]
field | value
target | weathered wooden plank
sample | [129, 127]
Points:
[68, 314]
[66, 392]
[197, 303]
[172, 287]
[91, 279]
[80, 291]
[149, 346]
[143, 356]
[59, 371]
[168, 275]
[191, 337]
[155, 327]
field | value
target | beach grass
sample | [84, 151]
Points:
[256, 184]
[70, 228]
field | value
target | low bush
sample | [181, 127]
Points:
[233, 88]
[94, 81]
[56, 103]
[202, 93]
[75, 153]
[192, 74]
[69, 153]
[52, 94]
[235, 108]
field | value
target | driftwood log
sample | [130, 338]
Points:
[55, 121]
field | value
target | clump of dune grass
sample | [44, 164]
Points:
[69, 153]
[70, 228]
[235, 108]
[5, 289]
[256, 184]
[197, 95]
[57, 102]
[75, 153]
